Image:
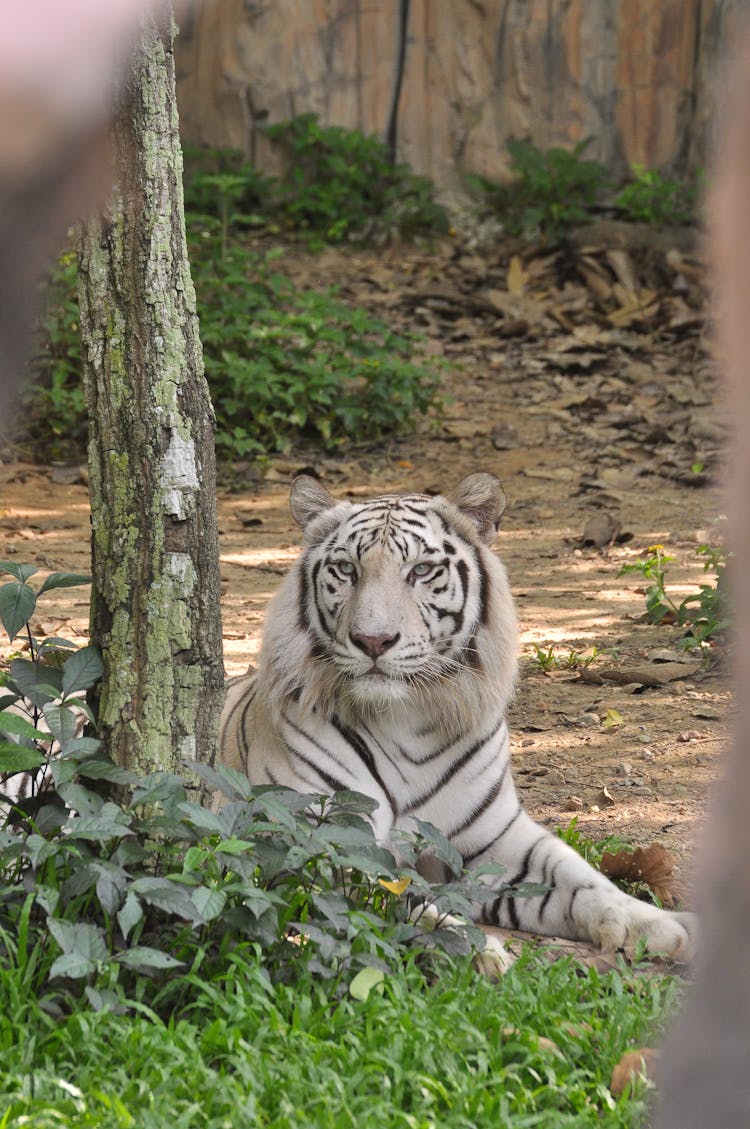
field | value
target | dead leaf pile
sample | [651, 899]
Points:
[653, 865]
[602, 337]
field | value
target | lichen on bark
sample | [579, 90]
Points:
[155, 604]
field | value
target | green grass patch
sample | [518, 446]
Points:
[452, 1050]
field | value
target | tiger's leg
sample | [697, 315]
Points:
[578, 902]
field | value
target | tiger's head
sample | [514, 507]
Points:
[395, 603]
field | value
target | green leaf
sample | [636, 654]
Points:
[208, 903]
[165, 895]
[39, 683]
[38, 849]
[17, 603]
[441, 847]
[203, 818]
[142, 957]
[19, 758]
[80, 748]
[78, 937]
[21, 572]
[111, 823]
[82, 670]
[14, 723]
[63, 580]
[129, 914]
[102, 769]
[194, 859]
[79, 798]
[231, 783]
[235, 846]
[110, 885]
[157, 787]
[364, 982]
[73, 966]
[62, 722]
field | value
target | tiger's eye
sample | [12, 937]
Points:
[421, 570]
[345, 568]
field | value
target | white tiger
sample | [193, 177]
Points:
[387, 664]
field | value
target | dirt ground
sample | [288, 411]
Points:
[585, 381]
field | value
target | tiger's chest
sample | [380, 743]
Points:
[409, 769]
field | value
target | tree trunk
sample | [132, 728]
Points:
[155, 603]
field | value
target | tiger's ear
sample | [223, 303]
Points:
[308, 499]
[482, 498]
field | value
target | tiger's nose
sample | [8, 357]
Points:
[374, 645]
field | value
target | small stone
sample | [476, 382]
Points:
[504, 437]
[601, 529]
[70, 475]
[588, 721]
[573, 803]
[605, 798]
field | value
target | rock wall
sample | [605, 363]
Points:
[635, 76]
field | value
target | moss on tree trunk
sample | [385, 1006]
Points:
[155, 605]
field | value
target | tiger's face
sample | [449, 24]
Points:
[396, 593]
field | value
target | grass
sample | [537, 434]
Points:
[456, 1051]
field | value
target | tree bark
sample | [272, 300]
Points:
[155, 597]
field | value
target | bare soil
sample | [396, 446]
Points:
[584, 380]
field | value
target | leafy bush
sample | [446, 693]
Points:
[551, 190]
[705, 613]
[159, 884]
[164, 964]
[340, 183]
[653, 198]
[106, 878]
[52, 406]
[285, 364]
[42, 689]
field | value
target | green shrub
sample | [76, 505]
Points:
[52, 406]
[340, 183]
[653, 198]
[706, 613]
[551, 191]
[164, 964]
[106, 878]
[285, 365]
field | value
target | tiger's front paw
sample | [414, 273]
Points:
[494, 960]
[625, 923]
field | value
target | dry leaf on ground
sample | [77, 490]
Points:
[633, 1065]
[653, 865]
